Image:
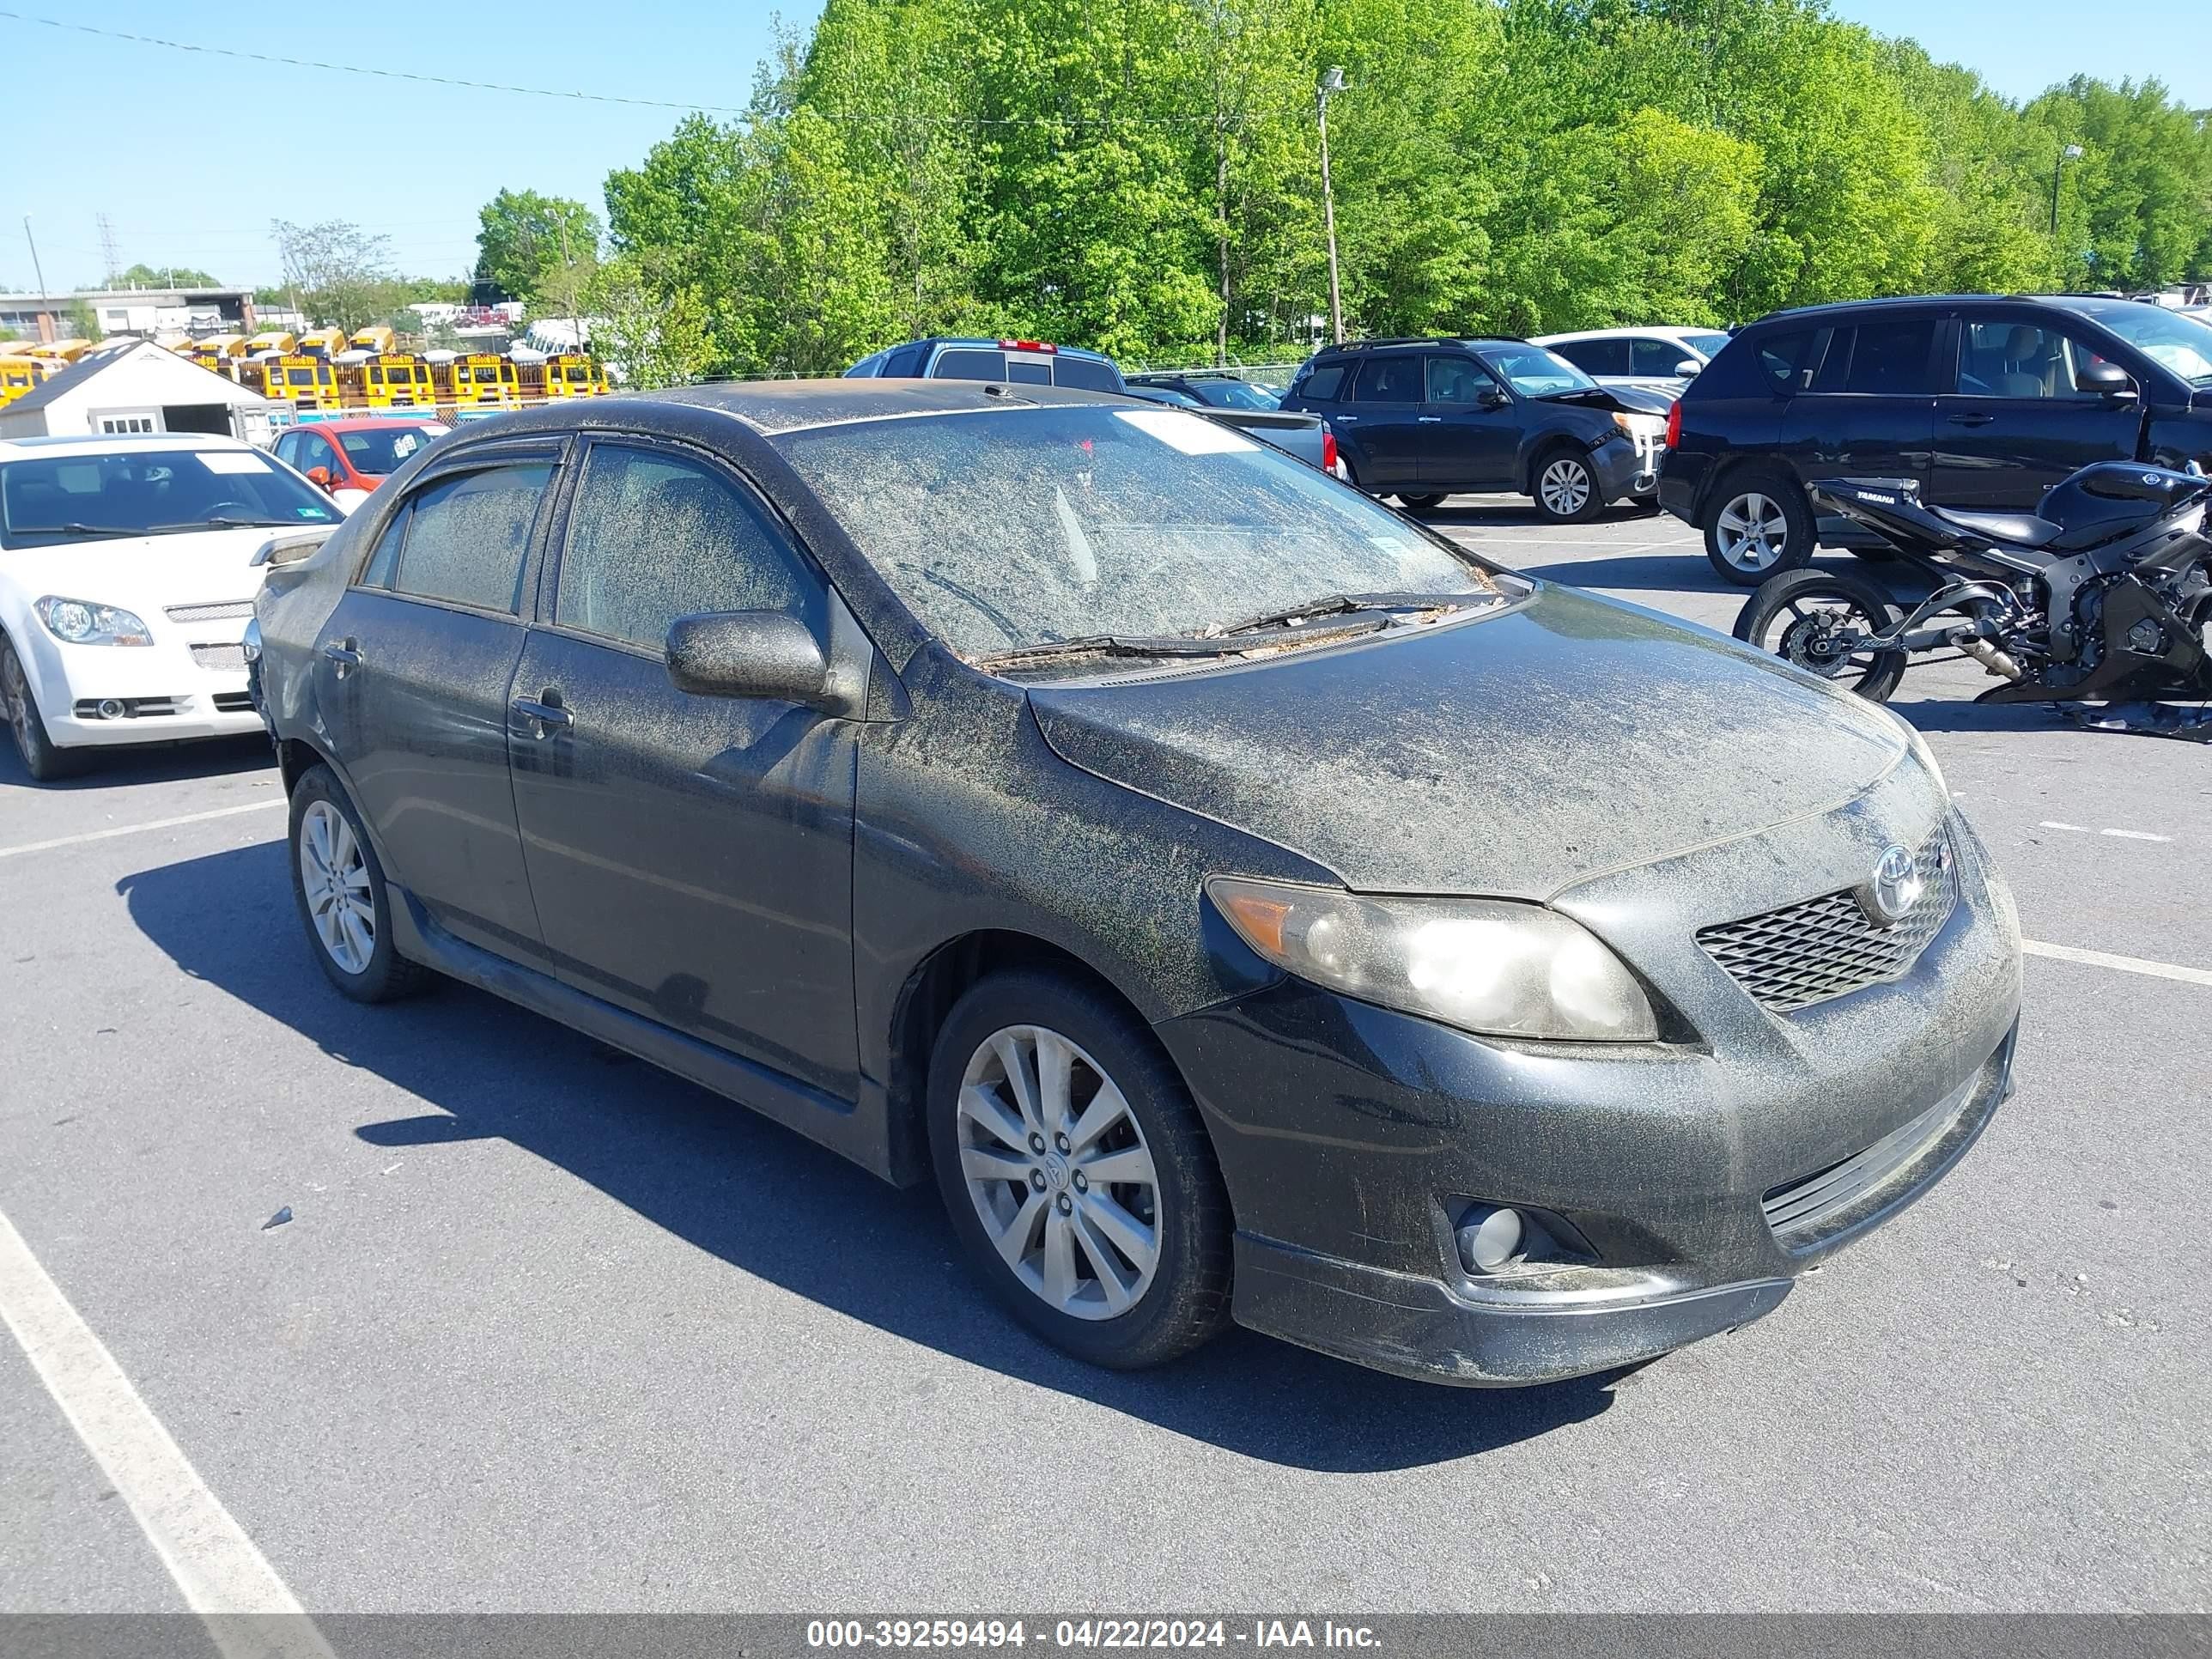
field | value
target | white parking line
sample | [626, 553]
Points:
[2134, 834]
[2036, 947]
[137, 828]
[223, 1577]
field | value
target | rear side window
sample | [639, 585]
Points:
[653, 537]
[1893, 358]
[1595, 356]
[1654, 356]
[1389, 380]
[905, 362]
[1322, 382]
[466, 537]
[1084, 374]
[969, 364]
[1788, 357]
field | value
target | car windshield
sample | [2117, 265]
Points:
[1012, 528]
[76, 496]
[1533, 371]
[1234, 394]
[2167, 338]
[382, 449]
[1705, 346]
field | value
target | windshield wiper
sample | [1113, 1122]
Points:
[225, 521]
[1108, 645]
[1336, 605]
[73, 528]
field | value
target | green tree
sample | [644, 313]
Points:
[143, 276]
[340, 273]
[522, 237]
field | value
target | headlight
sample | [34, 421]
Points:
[1481, 965]
[80, 622]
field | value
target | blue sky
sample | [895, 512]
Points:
[190, 155]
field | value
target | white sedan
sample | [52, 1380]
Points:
[127, 577]
[1655, 359]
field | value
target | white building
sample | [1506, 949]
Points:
[137, 388]
[131, 310]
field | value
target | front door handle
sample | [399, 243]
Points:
[1971, 420]
[1343, 417]
[344, 655]
[543, 715]
[1428, 420]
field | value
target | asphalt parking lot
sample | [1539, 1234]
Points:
[550, 1330]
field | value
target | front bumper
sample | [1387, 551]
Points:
[1628, 466]
[1353, 1139]
[168, 691]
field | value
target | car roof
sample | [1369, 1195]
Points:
[1672, 330]
[369, 422]
[113, 443]
[1000, 345]
[769, 407]
[1901, 301]
[1353, 348]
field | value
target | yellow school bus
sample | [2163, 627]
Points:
[376, 337]
[398, 381]
[217, 350]
[566, 374]
[59, 351]
[18, 374]
[480, 379]
[303, 381]
[324, 343]
[275, 340]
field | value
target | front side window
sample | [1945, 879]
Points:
[1014, 527]
[1651, 355]
[653, 537]
[1456, 380]
[467, 537]
[2018, 360]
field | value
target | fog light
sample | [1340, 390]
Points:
[111, 708]
[1490, 1239]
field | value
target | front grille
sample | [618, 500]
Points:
[1808, 1212]
[227, 610]
[1828, 947]
[220, 658]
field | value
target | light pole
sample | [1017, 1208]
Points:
[2071, 153]
[39, 272]
[1332, 81]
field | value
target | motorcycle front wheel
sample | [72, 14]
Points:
[1819, 622]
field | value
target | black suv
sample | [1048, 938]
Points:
[1421, 419]
[1987, 401]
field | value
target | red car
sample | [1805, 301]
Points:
[351, 458]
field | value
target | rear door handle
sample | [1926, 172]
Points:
[344, 655]
[546, 717]
[1343, 417]
[1971, 420]
[1428, 420]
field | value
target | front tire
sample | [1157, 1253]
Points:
[1418, 503]
[1757, 526]
[1808, 617]
[343, 900]
[42, 759]
[1077, 1173]
[1566, 487]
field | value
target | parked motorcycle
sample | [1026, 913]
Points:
[2101, 595]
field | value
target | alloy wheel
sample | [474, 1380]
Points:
[1058, 1172]
[15, 701]
[1565, 488]
[334, 875]
[1753, 532]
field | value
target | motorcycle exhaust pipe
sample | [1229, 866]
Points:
[1998, 663]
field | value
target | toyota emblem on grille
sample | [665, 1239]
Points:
[1894, 889]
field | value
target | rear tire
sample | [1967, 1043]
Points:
[19, 706]
[1418, 503]
[344, 902]
[1757, 525]
[1795, 614]
[1565, 486]
[1107, 1235]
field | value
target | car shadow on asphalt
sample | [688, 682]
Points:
[775, 1206]
[121, 768]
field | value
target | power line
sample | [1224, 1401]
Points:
[578, 95]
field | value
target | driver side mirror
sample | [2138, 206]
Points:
[1689, 368]
[1493, 396]
[748, 654]
[319, 476]
[2106, 380]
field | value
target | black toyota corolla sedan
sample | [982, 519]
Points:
[1241, 902]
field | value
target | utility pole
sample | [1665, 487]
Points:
[1332, 81]
[2071, 153]
[568, 270]
[37, 269]
[108, 257]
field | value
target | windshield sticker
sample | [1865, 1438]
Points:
[231, 460]
[1187, 434]
[318, 514]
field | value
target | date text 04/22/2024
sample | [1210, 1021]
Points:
[1088, 1633]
